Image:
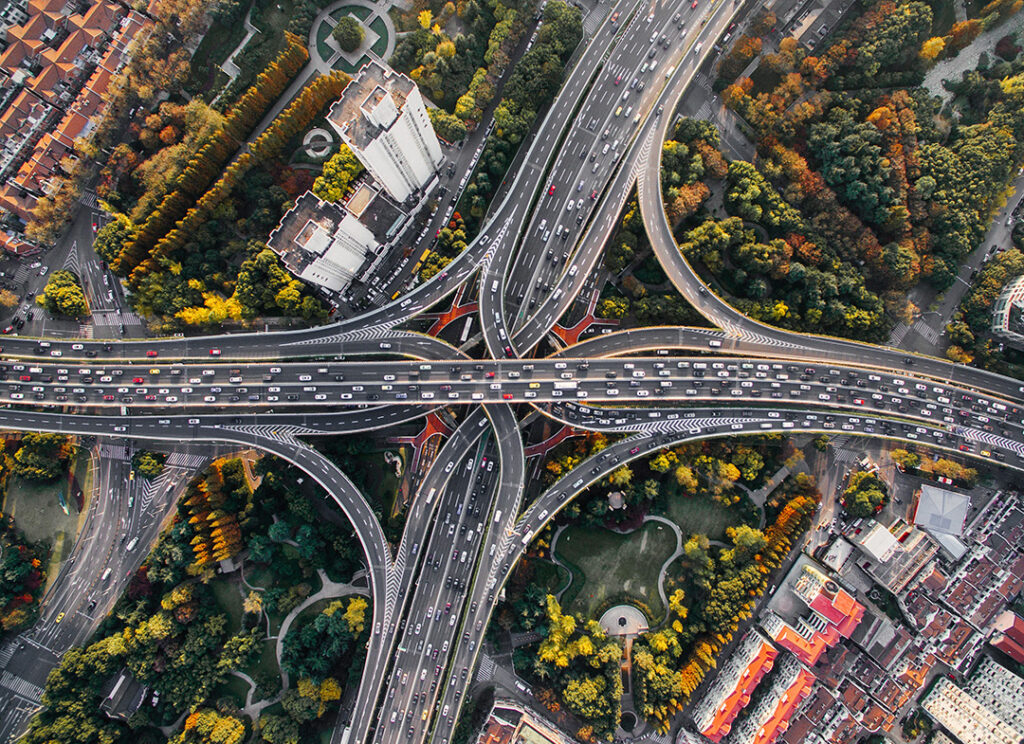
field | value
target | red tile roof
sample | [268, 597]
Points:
[778, 722]
[730, 707]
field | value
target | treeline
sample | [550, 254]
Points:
[532, 86]
[890, 187]
[716, 591]
[580, 663]
[207, 162]
[22, 574]
[170, 632]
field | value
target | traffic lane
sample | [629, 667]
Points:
[643, 380]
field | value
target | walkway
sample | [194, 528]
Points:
[967, 59]
[231, 69]
[329, 590]
[355, 59]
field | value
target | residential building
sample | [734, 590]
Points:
[1009, 635]
[893, 555]
[1007, 321]
[510, 723]
[999, 690]
[834, 614]
[382, 118]
[770, 717]
[735, 682]
[322, 243]
[965, 718]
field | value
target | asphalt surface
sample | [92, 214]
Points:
[434, 592]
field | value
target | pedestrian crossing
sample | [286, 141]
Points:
[21, 687]
[115, 317]
[593, 21]
[185, 461]
[6, 653]
[85, 330]
[485, 670]
[88, 199]
[898, 333]
[927, 332]
[113, 451]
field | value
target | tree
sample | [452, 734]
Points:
[932, 48]
[865, 494]
[8, 299]
[338, 174]
[906, 460]
[149, 464]
[349, 34]
[63, 294]
[42, 456]
[613, 307]
[207, 726]
[448, 127]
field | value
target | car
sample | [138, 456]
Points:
[551, 189]
[507, 396]
[214, 352]
[59, 618]
[151, 353]
[138, 380]
[694, 5]
[618, 79]
[42, 271]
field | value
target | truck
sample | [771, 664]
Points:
[565, 384]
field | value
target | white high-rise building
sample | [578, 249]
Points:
[322, 243]
[382, 118]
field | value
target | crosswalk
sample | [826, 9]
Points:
[898, 333]
[113, 451]
[88, 199]
[6, 653]
[85, 330]
[927, 332]
[593, 20]
[185, 461]
[114, 317]
[485, 670]
[21, 687]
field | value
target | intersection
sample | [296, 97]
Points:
[433, 593]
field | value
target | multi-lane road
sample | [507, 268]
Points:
[433, 593]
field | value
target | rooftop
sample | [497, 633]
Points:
[370, 103]
[942, 511]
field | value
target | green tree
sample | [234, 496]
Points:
[42, 456]
[447, 126]
[864, 494]
[348, 33]
[906, 460]
[338, 174]
[111, 238]
[149, 464]
[63, 294]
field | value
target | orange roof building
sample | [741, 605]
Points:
[736, 681]
[834, 614]
[770, 719]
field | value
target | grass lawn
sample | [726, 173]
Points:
[225, 590]
[701, 515]
[549, 576]
[36, 508]
[266, 663]
[944, 16]
[215, 47]
[617, 564]
[234, 687]
[359, 11]
[381, 45]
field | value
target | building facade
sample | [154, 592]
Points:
[965, 717]
[383, 120]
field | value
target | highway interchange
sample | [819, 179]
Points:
[434, 592]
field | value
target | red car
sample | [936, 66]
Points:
[618, 79]
[490, 375]
[108, 397]
[151, 353]
[507, 396]
[214, 352]
[593, 194]
[150, 397]
[138, 380]
[551, 190]
[694, 4]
